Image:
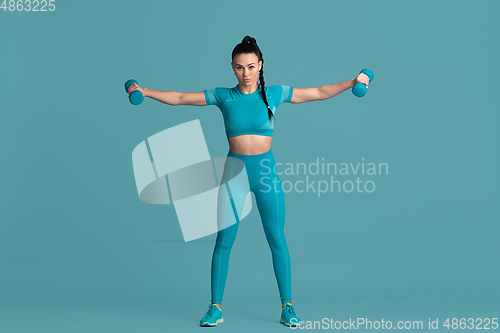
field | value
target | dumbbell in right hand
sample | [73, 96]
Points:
[135, 97]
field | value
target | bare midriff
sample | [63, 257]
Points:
[250, 144]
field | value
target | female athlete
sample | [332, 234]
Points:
[249, 110]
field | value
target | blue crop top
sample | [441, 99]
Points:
[247, 113]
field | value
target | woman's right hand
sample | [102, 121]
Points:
[135, 86]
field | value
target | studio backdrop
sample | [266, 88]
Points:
[391, 199]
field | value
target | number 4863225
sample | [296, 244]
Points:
[28, 5]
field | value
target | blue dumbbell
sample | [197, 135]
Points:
[135, 96]
[359, 88]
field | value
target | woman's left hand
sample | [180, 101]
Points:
[363, 78]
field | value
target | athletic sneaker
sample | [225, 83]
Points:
[212, 317]
[288, 316]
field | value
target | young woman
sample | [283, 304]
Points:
[248, 110]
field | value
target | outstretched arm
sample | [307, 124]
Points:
[172, 97]
[302, 95]
[177, 98]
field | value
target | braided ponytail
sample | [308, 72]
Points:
[249, 45]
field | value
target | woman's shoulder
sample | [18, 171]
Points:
[220, 89]
[276, 89]
[221, 92]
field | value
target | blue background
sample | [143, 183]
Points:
[81, 253]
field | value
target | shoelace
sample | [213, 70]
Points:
[211, 310]
[290, 309]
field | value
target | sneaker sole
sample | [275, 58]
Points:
[207, 324]
[288, 324]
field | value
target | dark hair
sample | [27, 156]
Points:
[249, 45]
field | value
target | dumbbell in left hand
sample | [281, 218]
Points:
[359, 89]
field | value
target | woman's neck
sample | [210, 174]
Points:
[248, 90]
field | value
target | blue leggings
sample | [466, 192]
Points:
[266, 185]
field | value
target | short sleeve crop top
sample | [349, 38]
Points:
[247, 113]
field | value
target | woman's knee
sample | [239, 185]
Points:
[225, 245]
[276, 239]
[225, 240]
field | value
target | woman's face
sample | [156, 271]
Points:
[246, 66]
